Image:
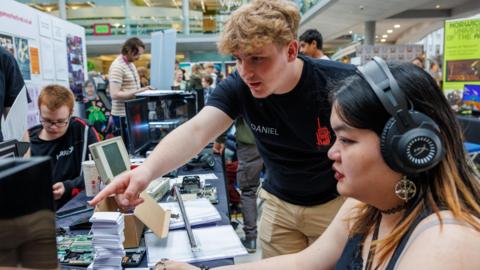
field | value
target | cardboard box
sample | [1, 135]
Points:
[149, 214]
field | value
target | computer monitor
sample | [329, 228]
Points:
[27, 219]
[8, 149]
[111, 158]
[137, 125]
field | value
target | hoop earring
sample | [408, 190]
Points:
[405, 189]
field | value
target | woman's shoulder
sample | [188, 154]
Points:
[444, 244]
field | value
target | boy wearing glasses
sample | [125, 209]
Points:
[62, 137]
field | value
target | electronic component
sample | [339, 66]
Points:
[191, 184]
[77, 250]
[191, 188]
[133, 257]
[158, 188]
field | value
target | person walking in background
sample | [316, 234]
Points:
[195, 82]
[179, 83]
[124, 82]
[311, 44]
[250, 165]
[207, 84]
[144, 75]
[212, 72]
[418, 61]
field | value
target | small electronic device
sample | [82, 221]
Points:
[158, 188]
[209, 192]
[191, 188]
[111, 158]
[191, 184]
[133, 257]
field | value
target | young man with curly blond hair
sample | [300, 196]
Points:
[283, 98]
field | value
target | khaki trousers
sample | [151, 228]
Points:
[29, 241]
[287, 228]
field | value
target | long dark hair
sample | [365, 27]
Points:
[451, 185]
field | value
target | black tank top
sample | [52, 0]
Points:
[351, 258]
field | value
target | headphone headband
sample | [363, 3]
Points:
[410, 141]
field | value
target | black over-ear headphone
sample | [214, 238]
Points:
[410, 141]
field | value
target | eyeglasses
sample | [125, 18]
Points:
[48, 123]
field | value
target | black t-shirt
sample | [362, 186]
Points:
[66, 153]
[292, 130]
[11, 81]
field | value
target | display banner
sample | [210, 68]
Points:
[461, 54]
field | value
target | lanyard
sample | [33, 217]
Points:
[131, 70]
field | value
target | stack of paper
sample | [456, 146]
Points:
[107, 229]
[199, 211]
[217, 242]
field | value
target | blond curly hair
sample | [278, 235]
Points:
[260, 23]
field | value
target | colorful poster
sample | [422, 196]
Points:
[461, 54]
[7, 43]
[76, 75]
[34, 59]
[23, 57]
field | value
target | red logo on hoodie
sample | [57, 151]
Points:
[323, 134]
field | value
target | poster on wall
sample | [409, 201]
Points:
[23, 57]
[58, 33]
[45, 25]
[461, 65]
[48, 70]
[402, 53]
[34, 60]
[7, 43]
[61, 72]
[75, 64]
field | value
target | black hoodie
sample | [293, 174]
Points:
[66, 154]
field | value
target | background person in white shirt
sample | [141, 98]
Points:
[311, 44]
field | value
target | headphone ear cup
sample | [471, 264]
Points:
[386, 146]
[414, 151]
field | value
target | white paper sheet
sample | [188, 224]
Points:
[199, 211]
[218, 242]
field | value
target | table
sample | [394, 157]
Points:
[222, 208]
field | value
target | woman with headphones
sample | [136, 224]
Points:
[414, 199]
